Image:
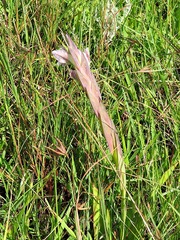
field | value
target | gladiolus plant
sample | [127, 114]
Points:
[80, 60]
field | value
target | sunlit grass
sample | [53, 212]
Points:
[40, 107]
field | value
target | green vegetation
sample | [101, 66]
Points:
[134, 49]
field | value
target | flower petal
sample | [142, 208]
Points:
[61, 56]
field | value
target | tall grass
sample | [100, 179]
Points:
[136, 63]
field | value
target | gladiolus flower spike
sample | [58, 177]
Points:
[81, 63]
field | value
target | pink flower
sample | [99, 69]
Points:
[62, 56]
[81, 62]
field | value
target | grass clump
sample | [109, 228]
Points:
[43, 112]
